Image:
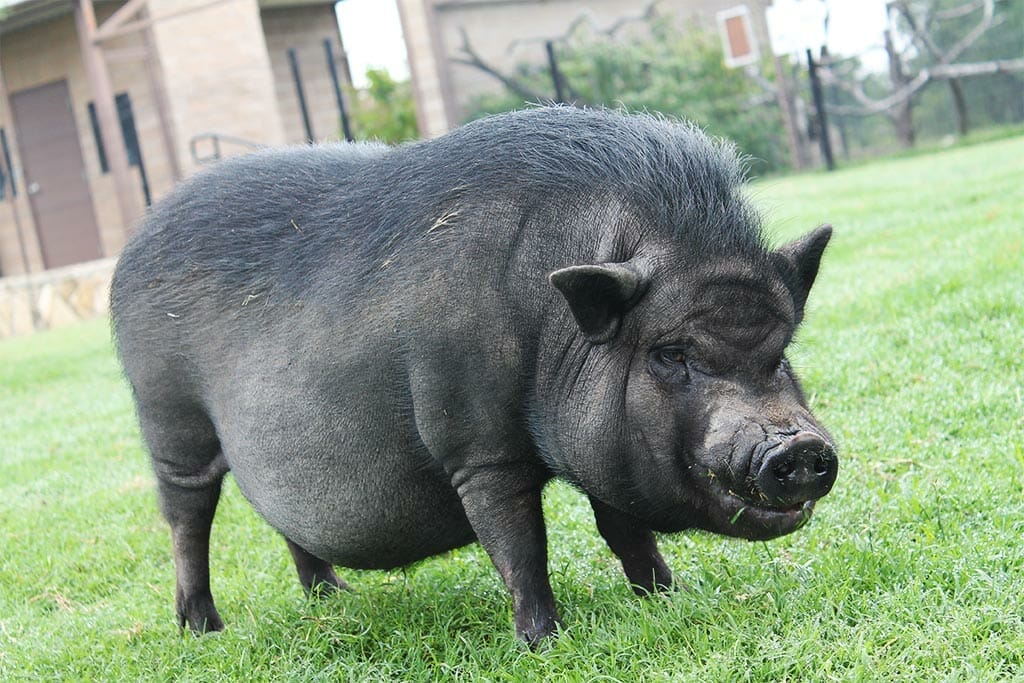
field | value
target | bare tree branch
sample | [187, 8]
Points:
[470, 57]
[972, 36]
[920, 36]
[870, 105]
[961, 11]
[996, 66]
[925, 76]
[474, 60]
[923, 38]
[919, 28]
[944, 69]
[586, 18]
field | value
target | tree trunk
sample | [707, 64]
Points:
[959, 106]
[902, 114]
[784, 93]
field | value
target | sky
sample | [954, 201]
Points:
[855, 27]
[372, 32]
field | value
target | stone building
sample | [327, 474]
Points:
[505, 32]
[184, 80]
[106, 104]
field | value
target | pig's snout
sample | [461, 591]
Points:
[800, 469]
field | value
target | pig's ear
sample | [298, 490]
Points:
[798, 263]
[599, 295]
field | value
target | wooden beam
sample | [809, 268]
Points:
[106, 112]
[126, 27]
[118, 18]
[118, 24]
[19, 228]
[155, 72]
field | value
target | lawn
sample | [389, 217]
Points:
[912, 569]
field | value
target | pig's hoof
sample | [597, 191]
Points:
[650, 588]
[649, 580]
[321, 586]
[320, 580]
[537, 633]
[199, 614]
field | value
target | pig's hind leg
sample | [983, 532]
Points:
[316, 575]
[189, 469]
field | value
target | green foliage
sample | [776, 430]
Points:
[676, 72]
[911, 570]
[384, 111]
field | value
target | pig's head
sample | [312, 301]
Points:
[682, 409]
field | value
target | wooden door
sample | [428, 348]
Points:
[54, 175]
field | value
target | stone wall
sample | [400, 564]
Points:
[54, 298]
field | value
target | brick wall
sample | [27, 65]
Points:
[426, 66]
[217, 72]
[305, 29]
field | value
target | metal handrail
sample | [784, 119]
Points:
[217, 139]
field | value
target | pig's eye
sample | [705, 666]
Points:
[669, 364]
[671, 356]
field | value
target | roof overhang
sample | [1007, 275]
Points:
[18, 14]
[274, 4]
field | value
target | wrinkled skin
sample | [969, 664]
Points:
[392, 351]
[710, 398]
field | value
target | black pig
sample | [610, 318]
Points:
[393, 350]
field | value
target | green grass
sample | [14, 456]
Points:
[913, 568]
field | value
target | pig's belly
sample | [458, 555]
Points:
[364, 522]
[344, 488]
[330, 461]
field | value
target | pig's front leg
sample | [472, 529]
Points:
[503, 504]
[635, 546]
